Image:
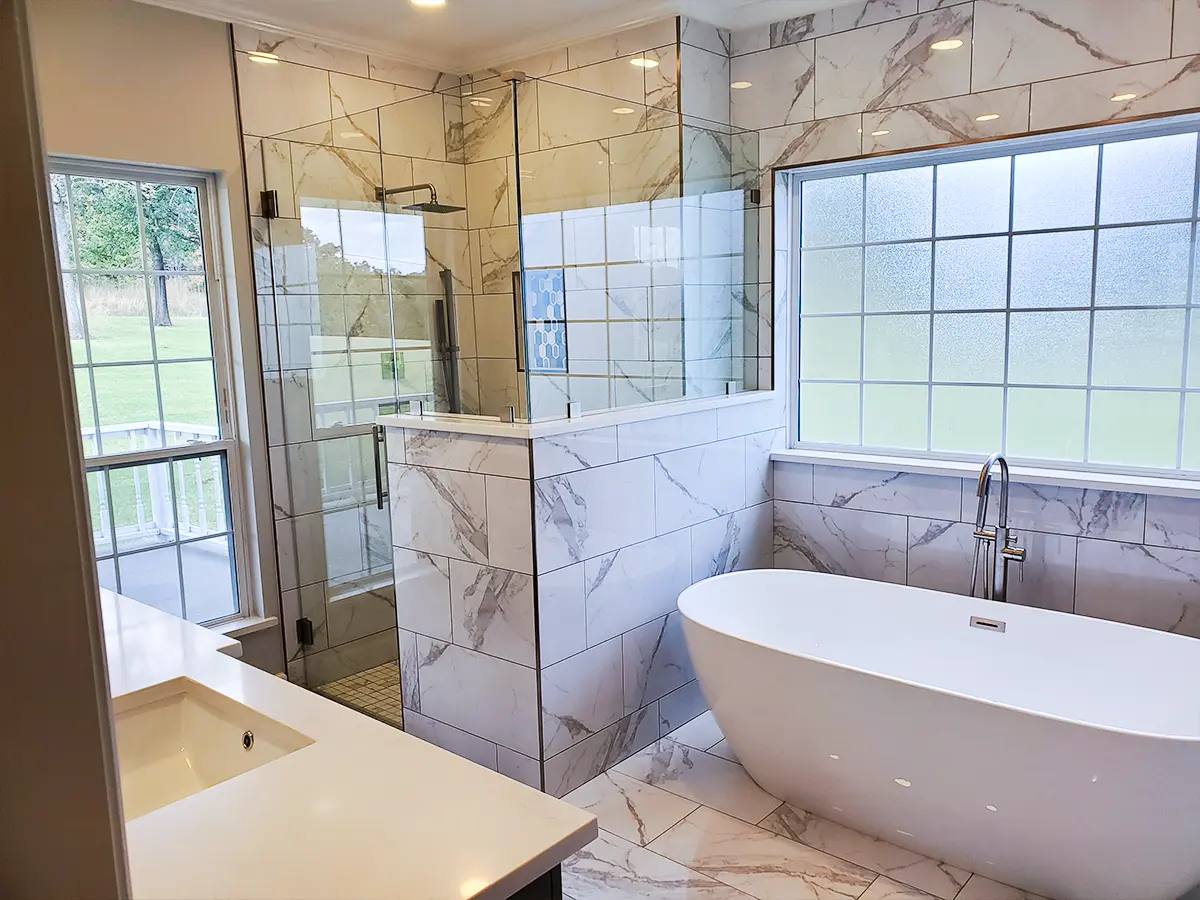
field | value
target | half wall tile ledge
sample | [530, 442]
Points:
[460, 424]
[1141, 484]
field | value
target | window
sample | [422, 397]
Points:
[147, 342]
[1039, 297]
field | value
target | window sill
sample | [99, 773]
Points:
[1137, 484]
[246, 625]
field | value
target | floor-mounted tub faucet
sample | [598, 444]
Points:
[1001, 540]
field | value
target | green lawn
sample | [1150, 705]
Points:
[126, 394]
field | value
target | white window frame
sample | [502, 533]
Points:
[1108, 477]
[208, 203]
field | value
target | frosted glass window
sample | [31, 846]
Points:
[1053, 269]
[1143, 266]
[1138, 348]
[970, 273]
[1055, 189]
[831, 211]
[896, 348]
[899, 277]
[1191, 432]
[1048, 347]
[1053, 313]
[896, 415]
[1149, 180]
[831, 280]
[1047, 423]
[1134, 428]
[829, 413]
[969, 347]
[973, 197]
[900, 205]
[830, 348]
[967, 419]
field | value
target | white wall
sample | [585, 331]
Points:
[120, 80]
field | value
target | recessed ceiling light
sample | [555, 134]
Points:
[644, 62]
[260, 56]
[622, 110]
[741, 85]
[880, 133]
[903, 782]
[987, 117]
[1121, 98]
[991, 808]
[481, 101]
[950, 44]
[350, 135]
[427, 2]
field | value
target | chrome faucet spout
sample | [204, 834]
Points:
[1002, 542]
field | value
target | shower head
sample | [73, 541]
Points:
[431, 206]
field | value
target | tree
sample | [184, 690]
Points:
[108, 233]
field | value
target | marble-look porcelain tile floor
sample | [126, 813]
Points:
[683, 821]
[375, 692]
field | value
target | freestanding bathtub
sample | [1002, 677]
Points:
[1060, 755]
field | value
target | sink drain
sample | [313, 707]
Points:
[247, 740]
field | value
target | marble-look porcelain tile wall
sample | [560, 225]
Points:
[323, 129]
[625, 519]
[865, 78]
[1127, 557]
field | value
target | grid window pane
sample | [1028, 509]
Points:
[152, 577]
[1138, 348]
[1143, 266]
[1054, 269]
[896, 415]
[1053, 316]
[829, 413]
[898, 277]
[118, 320]
[973, 197]
[127, 400]
[900, 205]
[1149, 180]
[208, 581]
[142, 510]
[189, 401]
[896, 348]
[1048, 347]
[181, 325]
[1134, 428]
[831, 280]
[832, 211]
[831, 348]
[969, 347]
[971, 273]
[102, 536]
[200, 492]
[1055, 189]
[1047, 423]
[87, 412]
[106, 574]
[967, 419]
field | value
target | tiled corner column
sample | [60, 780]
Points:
[537, 581]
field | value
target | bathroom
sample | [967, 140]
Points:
[434, 359]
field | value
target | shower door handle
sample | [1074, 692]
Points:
[519, 319]
[378, 440]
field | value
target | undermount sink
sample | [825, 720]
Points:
[179, 737]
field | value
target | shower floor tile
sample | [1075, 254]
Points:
[679, 823]
[375, 692]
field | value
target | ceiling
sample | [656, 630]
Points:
[467, 35]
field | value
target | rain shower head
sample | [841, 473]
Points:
[431, 206]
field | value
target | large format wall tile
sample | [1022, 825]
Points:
[699, 483]
[1037, 40]
[933, 496]
[808, 142]
[562, 613]
[559, 454]
[1150, 586]
[581, 696]
[1161, 87]
[781, 90]
[466, 452]
[500, 704]
[594, 511]
[281, 97]
[656, 660]
[951, 121]
[509, 518]
[633, 585]
[733, 543]
[1186, 34]
[460, 743]
[1112, 515]
[585, 760]
[439, 511]
[892, 64]
[840, 541]
[299, 50]
[1173, 522]
[493, 611]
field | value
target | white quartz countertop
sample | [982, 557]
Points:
[365, 811]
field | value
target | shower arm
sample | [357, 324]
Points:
[381, 194]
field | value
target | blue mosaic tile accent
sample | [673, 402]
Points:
[545, 315]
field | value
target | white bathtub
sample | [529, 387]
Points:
[1061, 756]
